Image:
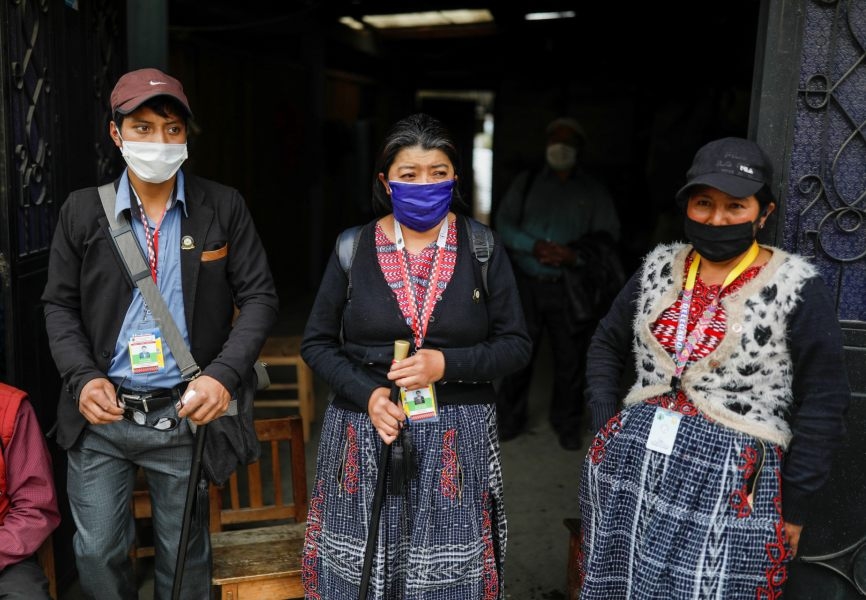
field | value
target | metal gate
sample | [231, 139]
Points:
[59, 61]
[810, 111]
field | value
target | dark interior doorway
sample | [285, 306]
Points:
[293, 104]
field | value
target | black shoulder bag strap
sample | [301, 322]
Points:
[136, 265]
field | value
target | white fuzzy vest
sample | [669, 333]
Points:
[745, 383]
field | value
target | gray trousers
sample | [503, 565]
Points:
[24, 581]
[101, 473]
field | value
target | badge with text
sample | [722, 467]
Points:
[663, 432]
[145, 352]
[419, 405]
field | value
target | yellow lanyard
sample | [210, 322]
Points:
[744, 264]
[684, 347]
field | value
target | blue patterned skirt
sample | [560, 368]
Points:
[443, 539]
[681, 526]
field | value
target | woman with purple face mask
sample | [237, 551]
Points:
[441, 533]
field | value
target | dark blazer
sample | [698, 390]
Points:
[89, 290]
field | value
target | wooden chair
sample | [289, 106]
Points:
[262, 563]
[254, 562]
[141, 512]
[45, 557]
[279, 353]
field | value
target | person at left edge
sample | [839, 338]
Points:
[118, 412]
[28, 502]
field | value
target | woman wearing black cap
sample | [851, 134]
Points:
[698, 486]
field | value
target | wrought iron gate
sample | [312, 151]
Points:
[812, 113]
[58, 64]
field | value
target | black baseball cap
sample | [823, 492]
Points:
[736, 166]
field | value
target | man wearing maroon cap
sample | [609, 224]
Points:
[124, 403]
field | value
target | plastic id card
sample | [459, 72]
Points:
[663, 432]
[420, 405]
[145, 352]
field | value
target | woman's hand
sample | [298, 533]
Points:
[792, 532]
[386, 416]
[419, 370]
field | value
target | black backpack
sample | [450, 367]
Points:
[480, 234]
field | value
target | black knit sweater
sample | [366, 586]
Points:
[481, 337]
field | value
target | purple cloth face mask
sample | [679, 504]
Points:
[421, 206]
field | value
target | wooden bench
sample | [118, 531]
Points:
[263, 563]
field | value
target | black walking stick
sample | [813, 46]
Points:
[194, 471]
[401, 350]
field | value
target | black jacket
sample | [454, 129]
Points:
[88, 292]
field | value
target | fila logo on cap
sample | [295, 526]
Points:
[746, 169]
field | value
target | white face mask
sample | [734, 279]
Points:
[561, 157]
[153, 162]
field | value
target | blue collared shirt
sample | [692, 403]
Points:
[169, 284]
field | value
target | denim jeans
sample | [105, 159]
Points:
[102, 467]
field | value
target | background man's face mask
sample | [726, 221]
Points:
[153, 162]
[421, 206]
[561, 157]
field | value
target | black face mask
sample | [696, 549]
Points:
[720, 243]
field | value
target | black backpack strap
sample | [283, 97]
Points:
[479, 234]
[347, 245]
[481, 237]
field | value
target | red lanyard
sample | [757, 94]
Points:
[151, 241]
[684, 347]
[421, 318]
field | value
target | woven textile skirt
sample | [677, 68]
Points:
[680, 526]
[444, 539]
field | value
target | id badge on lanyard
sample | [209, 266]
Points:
[421, 404]
[145, 347]
[663, 432]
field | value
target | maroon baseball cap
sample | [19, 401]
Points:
[136, 87]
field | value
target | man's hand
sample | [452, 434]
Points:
[385, 416]
[204, 400]
[553, 254]
[98, 402]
